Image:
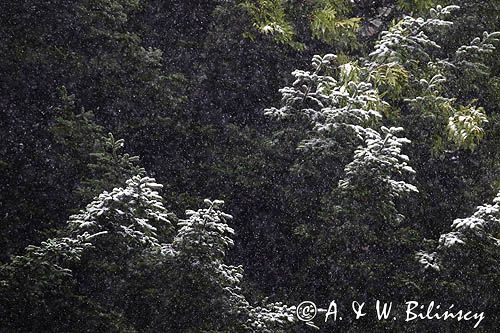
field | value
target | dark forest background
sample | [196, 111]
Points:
[183, 86]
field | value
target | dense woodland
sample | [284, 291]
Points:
[206, 166]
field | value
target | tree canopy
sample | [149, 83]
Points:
[187, 166]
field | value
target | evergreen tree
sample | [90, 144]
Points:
[121, 251]
[463, 265]
[390, 135]
[364, 240]
[91, 48]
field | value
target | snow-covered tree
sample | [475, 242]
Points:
[135, 212]
[408, 40]
[464, 266]
[122, 250]
[339, 95]
[471, 57]
[332, 105]
[375, 173]
[205, 233]
[354, 108]
[200, 246]
[109, 167]
[481, 229]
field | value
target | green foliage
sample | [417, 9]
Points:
[331, 104]
[78, 132]
[358, 93]
[418, 6]
[466, 125]
[391, 78]
[122, 244]
[327, 19]
[376, 164]
[101, 165]
[39, 293]
[109, 167]
[93, 49]
[471, 57]
[472, 243]
[408, 45]
[270, 18]
[330, 24]
[183, 82]
[364, 230]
